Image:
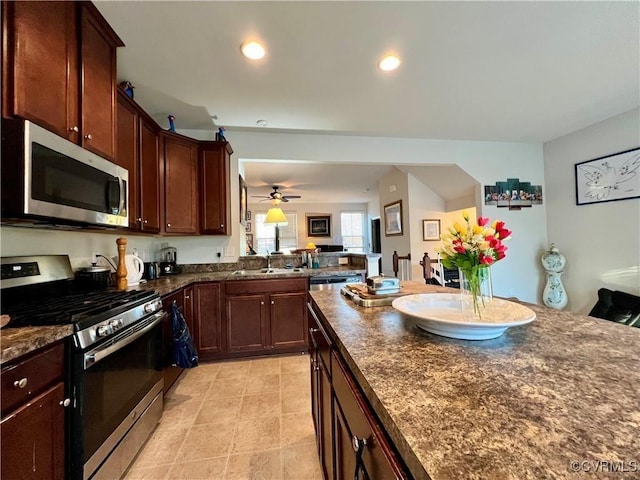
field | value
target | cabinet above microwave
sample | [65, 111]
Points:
[48, 178]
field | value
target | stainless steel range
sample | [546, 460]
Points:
[115, 359]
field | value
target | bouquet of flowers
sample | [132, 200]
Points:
[473, 249]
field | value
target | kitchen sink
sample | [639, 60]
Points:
[268, 271]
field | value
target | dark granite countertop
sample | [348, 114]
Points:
[15, 342]
[564, 388]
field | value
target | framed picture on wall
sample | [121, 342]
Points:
[248, 214]
[243, 201]
[430, 230]
[247, 227]
[318, 225]
[609, 178]
[393, 219]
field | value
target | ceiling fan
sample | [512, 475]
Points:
[276, 196]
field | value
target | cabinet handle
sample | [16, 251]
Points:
[272, 302]
[74, 129]
[313, 330]
[222, 225]
[66, 402]
[261, 303]
[187, 297]
[88, 136]
[145, 221]
[20, 383]
[358, 446]
[139, 220]
[168, 225]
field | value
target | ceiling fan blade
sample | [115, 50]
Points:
[259, 196]
[290, 196]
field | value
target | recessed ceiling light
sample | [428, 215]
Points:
[390, 62]
[262, 123]
[252, 50]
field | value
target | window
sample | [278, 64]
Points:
[265, 235]
[352, 227]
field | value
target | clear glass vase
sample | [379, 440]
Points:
[476, 290]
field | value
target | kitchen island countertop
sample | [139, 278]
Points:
[562, 389]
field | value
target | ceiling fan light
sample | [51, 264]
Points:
[252, 50]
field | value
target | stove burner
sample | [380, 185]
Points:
[79, 309]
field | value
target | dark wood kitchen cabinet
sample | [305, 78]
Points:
[180, 184]
[33, 411]
[207, 328]
[266, 316]
[215, 200]
[321, 394]
[344, 420]
[59, 70]
[138, 153]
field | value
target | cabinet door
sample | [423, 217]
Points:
[215, 203]
[325, 421]
[149, 218]
[127, 154]
[33, 439]
[208, 319]
[40, 65]
[288, 320]
[98, 87]
[246, 323]
[354, 422]
[180, 186]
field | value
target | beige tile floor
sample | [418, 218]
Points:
[245, 419]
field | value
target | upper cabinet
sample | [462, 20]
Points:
[59, 71]
[180, 184]
[137, 151]
[215, 201]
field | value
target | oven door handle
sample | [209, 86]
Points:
[94, 356]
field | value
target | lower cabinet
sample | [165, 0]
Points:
[33, 412]
[351, 442]
[207, 320]
[266, 316]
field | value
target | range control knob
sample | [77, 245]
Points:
[116, 324]
[150, 307]
[104, 330]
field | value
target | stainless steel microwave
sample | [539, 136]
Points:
[47, 177]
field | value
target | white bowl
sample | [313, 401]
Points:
[447, 315]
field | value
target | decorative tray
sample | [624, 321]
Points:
[359, 294]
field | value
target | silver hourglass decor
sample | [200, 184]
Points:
[554, 294]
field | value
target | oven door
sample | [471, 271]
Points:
[113, 384]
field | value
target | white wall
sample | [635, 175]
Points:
[601, 241]
[303, 209]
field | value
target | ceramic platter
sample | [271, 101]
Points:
[447, 315]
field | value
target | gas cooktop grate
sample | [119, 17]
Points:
[76, 308]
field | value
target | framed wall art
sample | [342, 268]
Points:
[430, 230]
[609, 178]
[243, 201]
[318, 225]
[247, 227]
[393, 219]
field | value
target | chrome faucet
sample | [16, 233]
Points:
[268, 259]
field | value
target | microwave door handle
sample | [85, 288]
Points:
[123, 196]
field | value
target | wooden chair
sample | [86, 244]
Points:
[620, 307]
[427, 268]
[404, 267]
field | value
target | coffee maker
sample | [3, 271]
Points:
[168, 261]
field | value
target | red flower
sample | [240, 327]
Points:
[482, 221]
[504, 233]
[499, 225]
[485, 259]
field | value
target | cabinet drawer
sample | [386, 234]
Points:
[239, 287]
[29, 377]
[378, 458]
